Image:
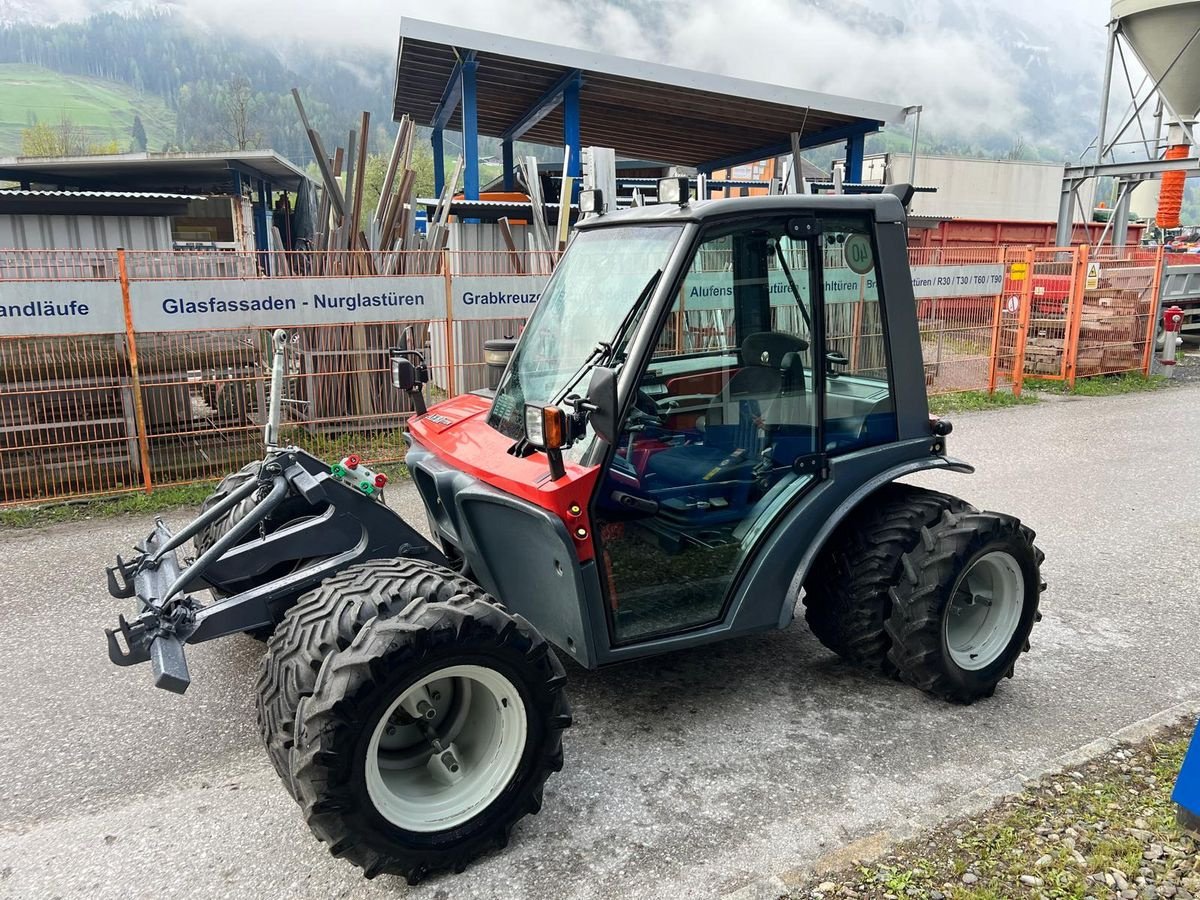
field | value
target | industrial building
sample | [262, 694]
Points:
[239, 200]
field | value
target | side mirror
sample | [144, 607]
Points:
[602, 400]
[408, 375]
[404, 374]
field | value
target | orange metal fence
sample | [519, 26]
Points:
[129, 407]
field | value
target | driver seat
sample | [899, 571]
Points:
[767, 391]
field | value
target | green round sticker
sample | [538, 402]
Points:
[858, 254]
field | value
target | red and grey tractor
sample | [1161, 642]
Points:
[705, 419]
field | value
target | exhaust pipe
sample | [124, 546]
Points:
[496, 354]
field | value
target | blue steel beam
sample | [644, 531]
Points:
[856, 149]
[545, 105]
[833, 135]
[470, 132]
[571, 134]
[506, 150]
[452, 93]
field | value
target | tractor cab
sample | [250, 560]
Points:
[692, 372]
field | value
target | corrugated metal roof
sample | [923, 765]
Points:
[207, 172]
[640, 109]
[106, 195]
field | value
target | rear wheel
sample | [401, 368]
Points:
[965, 604]
[846, 600]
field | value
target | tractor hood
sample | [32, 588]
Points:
[449, 414]
[456, 431]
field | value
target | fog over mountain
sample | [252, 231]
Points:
[995, 72]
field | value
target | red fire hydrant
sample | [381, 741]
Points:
[1172, 322]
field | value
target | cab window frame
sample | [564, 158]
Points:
[668, 294]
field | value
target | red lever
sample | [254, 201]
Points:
[352, 461]
[380, 480]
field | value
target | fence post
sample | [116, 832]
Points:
[139, 412]
[1152, 319]
[997, 317]
[1075, 313]
[450, 336]
[1023, 315]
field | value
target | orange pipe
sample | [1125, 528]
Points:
[1170, 195]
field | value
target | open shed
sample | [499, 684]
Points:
[504, 87]
[231, 199]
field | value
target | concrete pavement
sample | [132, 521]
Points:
[689, 775]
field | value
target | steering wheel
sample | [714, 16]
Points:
[644, 412]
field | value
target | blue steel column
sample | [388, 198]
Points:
[262, 223]
[439, 161]
[856, 148]
[571, 136]
[506, 149]
[470, 132]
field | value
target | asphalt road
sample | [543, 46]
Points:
[690, 775]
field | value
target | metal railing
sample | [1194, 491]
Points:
[138, 406]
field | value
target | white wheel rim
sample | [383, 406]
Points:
[985, 611]
[478, 716]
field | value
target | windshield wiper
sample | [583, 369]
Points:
[605, 351]
[602, 353]
[610, 348]
[787, 273]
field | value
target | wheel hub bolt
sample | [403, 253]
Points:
[426, 709]
[449, 761]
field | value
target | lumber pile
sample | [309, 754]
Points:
[345, 368]
[383, 244]
[1112, 323]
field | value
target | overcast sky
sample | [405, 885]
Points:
[947, 57]
[963, 60]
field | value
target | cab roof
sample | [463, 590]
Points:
[884, 208]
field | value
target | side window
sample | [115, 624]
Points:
[723, 411]
[859, 411]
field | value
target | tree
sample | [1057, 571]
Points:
[64, 139]
[139, 135]
[237, 104]
[39, 139]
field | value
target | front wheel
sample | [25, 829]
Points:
[965, 604]
[428, 737]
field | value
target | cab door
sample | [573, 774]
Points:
[725, 430]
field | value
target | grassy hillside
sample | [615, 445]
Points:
[105, 108]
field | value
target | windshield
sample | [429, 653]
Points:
[591, 293]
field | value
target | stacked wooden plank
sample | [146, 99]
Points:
[345, 367]
[1111, 323]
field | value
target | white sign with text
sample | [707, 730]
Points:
[263, 302]
[61, 307]
[495, 296]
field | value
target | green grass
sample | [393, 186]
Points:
[161, 500]
[104, 108]
[1064, 833]
[1100, 385]
[105, 507]
[970, 401]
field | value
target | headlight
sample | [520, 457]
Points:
[674, 190]
[534, 433]
[546, 427]
[591, 202]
